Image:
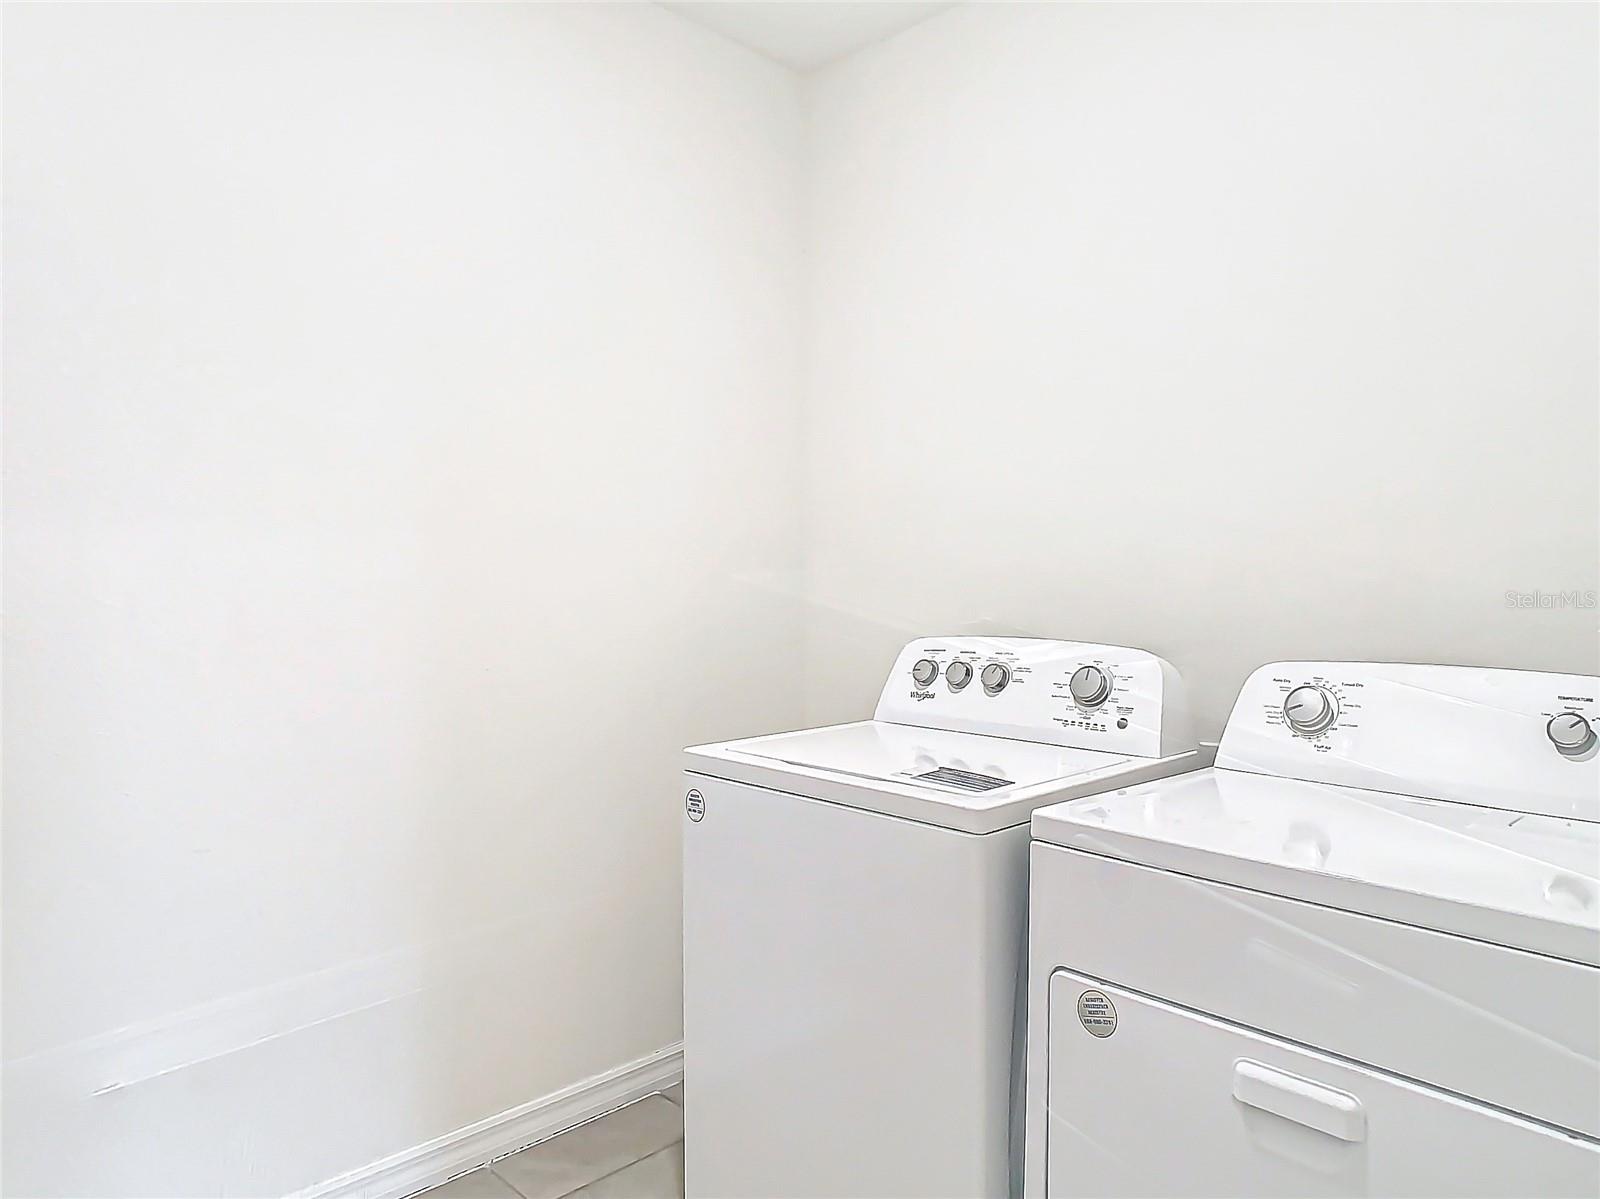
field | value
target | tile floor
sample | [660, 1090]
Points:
[635, 1152]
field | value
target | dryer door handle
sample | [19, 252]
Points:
[1337, 1113]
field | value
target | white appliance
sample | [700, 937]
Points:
[854, 902]
[1359, 956]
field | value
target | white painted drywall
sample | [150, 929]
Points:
[806, 34]
[404, 412]
[1236, 332]
[399, 462]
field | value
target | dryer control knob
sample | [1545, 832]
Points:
[995, 678]
[1090, 686]
[1571, 734]
[924, 672]
[1310, 709]
[958, 674]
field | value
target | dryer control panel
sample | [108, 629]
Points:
[1104, 697]
[1521, 740]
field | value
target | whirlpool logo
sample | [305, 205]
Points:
[921, 695]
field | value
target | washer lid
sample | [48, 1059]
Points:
[963, 781]
[1531, 882]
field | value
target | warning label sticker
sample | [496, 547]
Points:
[1096, 1013]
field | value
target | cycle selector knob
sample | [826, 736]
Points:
[995, 678]
[1571, 734]
[1310, 709]
[958, 674]
[924, 672]
[1090, 686]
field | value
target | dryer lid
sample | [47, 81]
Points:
[1528, 881]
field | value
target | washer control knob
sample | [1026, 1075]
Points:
[924, 672]
[1090, 686]
[995, 678]
[958, 674]
[1310, 709]
[1571, 734]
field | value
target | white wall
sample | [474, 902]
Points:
[1239, 333]
[400, 407]
[404, 409]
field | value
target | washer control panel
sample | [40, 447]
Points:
[1087, 696]
[1090, 686]
[1521, 740]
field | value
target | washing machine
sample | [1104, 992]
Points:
[854, 907]
[1358, 956]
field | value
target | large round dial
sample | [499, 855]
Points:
[958, 674]
[995, 678]
[1090, 686]
[924, 672]
[1571, 734]
[1310, 709]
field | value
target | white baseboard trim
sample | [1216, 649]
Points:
[432, 1162]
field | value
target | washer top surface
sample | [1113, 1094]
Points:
[973, 733]
[966, 781]
[1527, 881]
[949, 765]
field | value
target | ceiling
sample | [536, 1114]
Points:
[806, 36]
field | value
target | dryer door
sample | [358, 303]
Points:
[1150, 1099]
